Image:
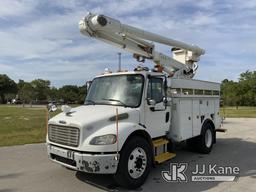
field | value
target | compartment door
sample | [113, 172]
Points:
[196, 118]
[186, 118]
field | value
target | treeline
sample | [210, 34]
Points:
[241, 93]
[39, 91]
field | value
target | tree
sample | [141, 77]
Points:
[53, 94]
[69, 93]
[7, 86]
[41, 88]
[242, 92]
[82, 94]
[26, 92]
[229, 92]
[247, 82]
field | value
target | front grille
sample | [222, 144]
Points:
[64, 135]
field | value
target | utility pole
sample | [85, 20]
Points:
[119, 61]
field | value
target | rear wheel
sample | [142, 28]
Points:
[135, 163]
[205, 140]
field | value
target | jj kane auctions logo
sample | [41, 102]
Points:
[211, 172]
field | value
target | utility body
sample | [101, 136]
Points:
[131, 119]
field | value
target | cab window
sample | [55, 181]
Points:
[155, 89]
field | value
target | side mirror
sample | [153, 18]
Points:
[151, 102]
[165, 101]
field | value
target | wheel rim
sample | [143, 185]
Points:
[137, 162]
[208, 138]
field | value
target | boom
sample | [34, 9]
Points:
[183, 64]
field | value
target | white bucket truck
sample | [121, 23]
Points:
[130, 120]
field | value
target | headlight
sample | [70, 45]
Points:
[103, 140]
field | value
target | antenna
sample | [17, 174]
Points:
[119, 61]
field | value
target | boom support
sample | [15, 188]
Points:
[136, 41]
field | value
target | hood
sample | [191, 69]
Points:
[90, 118]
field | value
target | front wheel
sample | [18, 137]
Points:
[135, 163]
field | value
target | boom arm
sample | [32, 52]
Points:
[134, 40]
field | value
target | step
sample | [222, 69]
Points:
[159, 142]
[164, 157]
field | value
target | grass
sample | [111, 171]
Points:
[20, 125]
[248, 112]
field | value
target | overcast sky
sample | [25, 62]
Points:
[41, 39]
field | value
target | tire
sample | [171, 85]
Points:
[191, 144]
[171, 146]
[134, 164]
[205, 141]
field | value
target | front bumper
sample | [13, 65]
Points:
[91, 163]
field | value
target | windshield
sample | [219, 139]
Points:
[125, 90]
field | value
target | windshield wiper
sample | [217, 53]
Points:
[117, 101]
[90, 101]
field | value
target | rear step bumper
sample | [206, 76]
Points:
[221, 130]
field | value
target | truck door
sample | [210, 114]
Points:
[157, 117]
